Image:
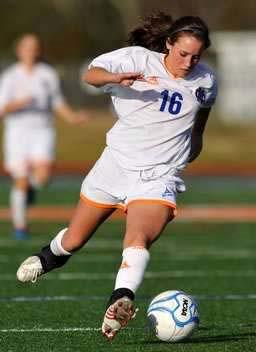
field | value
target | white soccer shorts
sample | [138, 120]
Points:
[24, 148]
[108, 185]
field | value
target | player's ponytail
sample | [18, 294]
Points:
[152, 33]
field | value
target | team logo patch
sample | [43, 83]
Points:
[200, 95]
[168, 193]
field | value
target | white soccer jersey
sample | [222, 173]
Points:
[155, 116]
[42, 85]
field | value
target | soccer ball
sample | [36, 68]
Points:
[173, 315]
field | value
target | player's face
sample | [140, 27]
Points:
[183, 55]
[28, 49]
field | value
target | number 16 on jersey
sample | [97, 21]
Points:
[171, 102]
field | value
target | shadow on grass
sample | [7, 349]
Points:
[207, 339]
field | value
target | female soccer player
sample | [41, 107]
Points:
[29, 95]
[162, 96]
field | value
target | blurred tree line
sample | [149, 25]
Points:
[76, 29]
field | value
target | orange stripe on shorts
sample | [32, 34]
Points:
[100, 205]
[158, 201]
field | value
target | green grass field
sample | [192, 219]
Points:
[63, 311]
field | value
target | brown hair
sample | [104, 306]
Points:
[36, 37]
[192, 25]
[152, 33]
[156, 28]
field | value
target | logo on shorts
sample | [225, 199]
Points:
[167, 193]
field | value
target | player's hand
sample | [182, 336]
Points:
[16, 105]
[127, 79]
[23, 102]
[80, 117]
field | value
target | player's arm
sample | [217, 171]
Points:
[68, 114]
[16, 105]
[59, 105]
[99, 77]
[197, 133]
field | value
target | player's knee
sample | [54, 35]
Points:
[42, 181]
[137, 239]
[21, 184]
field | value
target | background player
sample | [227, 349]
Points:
[30, 95]
[162, 96]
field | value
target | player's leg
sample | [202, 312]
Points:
[15, 163]
[23, 193]
[41, 157]
[39, 177]
[83, 224]
[41, 173]
[145, 222]
[96, 205]
[18, 206]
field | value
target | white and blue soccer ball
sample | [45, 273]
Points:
[173, 315]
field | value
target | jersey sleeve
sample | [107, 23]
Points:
[129, 59]
[206, 95]
[119, 61]
[5, 90]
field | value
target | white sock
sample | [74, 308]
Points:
[131, 272]
[56, 246]
[18, 208]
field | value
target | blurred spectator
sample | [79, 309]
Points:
[30, 95]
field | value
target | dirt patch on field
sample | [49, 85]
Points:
[205, 214]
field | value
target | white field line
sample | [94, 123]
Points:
[79, 329]
[54, 330]
[48, 330]
[27, 299]
[148, 275]
[97, 244]
[190, 256]
[161, 247]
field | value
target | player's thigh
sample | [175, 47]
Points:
[106, 183]
[42, 147]
[145, 222]
[15, 153]
[84, 222]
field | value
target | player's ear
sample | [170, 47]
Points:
[168, 44]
